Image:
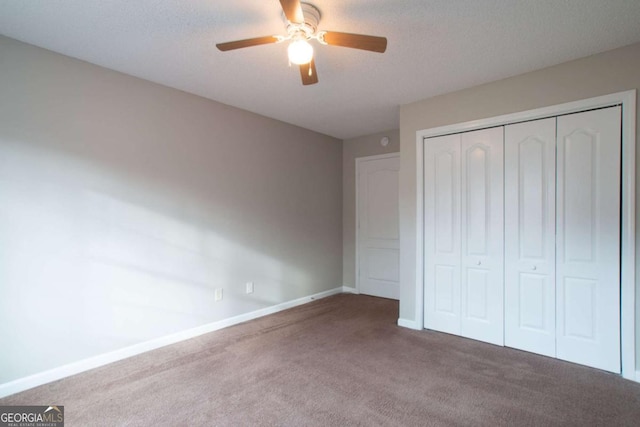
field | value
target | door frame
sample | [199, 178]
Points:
[359, 161]
[627, 100]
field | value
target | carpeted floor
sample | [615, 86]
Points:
[339, 361]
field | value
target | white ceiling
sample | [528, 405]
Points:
[434, 47]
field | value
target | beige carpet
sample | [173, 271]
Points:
[340, 361]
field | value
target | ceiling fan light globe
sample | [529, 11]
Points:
[300, 52]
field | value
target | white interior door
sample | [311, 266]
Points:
[482, 225]
[588, 238]
[530, 241]
[378, 227]
[442, 234]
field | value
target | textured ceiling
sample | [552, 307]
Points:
[435, 46]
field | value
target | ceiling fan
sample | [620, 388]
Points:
[302, 26]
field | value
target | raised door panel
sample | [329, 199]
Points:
[382, 187]
[530, 177]
[378, 232]
[482, 235]
[588, 238]
[442, 233]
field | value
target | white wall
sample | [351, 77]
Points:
[609, 72]
[368, 145]
[124, 204]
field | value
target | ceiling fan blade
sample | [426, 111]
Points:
[292, 10]
[308, 73]
[239, 44]
[356, 41]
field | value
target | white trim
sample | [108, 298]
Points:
[419, 299]
[637, 377]
[411, 324]
[628, 101]
[539, 113]
[350, 290]
[41, 378]
[360, 160]
[628, 238]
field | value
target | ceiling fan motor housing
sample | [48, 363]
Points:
[309, 27]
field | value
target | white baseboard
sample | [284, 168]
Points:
[349, 290]
[637, 378]
[411, 324]
[55, 374]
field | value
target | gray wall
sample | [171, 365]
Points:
[351, 149]
[124, 204]
[614, 71]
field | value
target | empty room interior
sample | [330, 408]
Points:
[330, 213]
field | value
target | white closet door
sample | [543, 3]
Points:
[442, 233]
[482, 226]
[588, 238]
[530, 211]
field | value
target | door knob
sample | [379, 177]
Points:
[479, 262]
[534, 268]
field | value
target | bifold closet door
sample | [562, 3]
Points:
[463, 234]
[482, 228]
[588, 238]
[530, 241]
[539, 270]
[442, 234]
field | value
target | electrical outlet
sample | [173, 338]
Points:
[249, 288]
[218, 294]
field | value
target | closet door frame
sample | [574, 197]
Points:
[627, 100]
